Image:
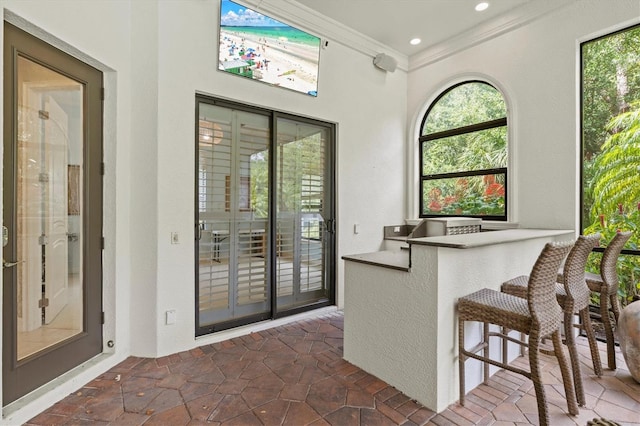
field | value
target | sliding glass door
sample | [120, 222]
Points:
[303, 212]
[264, 215]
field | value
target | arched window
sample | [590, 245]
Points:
[463, 154]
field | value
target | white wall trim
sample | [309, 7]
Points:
[328, 29]
[300, 16]
[38, 32]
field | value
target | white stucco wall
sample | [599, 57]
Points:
[156, 56]
[537, 66]
[367, 104]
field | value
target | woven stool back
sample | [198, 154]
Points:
[573, 273]
[608, 269]
[541, 291]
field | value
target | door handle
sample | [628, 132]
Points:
[6, 264]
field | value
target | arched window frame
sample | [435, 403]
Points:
[490, 124]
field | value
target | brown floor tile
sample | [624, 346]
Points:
[386, 393]
[360, 399]
[467, 412]
[300, 413]
[345, 416]
[374, 417]
[295, 375]
[390, 412]
[201, 408]
[297, 392]
[255, 397]
[176, 416]
[272, 413]
[246, 419]
[230, 406]
[48, 419]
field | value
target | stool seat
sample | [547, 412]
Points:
[492, 306]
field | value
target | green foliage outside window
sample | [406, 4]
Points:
[465, 151]
[463, 105]
[611, 147]
[472, 195]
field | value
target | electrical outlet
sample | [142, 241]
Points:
[175, 238]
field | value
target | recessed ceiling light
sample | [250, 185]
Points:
[482, 6]
[415, 41]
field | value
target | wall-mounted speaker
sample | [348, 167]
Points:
[385, 62]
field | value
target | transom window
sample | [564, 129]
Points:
[463, 154]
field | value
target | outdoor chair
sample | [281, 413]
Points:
[538, 315]
[606, 284]
[572, 295]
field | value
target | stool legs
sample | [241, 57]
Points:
[566, 373]
[585, 319]
[608, 328]
[461, 361]
[535, 371]
[573, 355]
[536, 376]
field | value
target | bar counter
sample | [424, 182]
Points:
[399, 310]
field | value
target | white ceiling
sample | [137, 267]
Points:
[395, 22]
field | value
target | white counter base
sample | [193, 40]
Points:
[401, 326]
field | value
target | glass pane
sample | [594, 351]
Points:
[610, 120]
[49, 208]
[482, 195]
[300, 177]
[464, 105]
[485, 149]
[233, 196]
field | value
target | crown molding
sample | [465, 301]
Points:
[502, 24]
[300, 16]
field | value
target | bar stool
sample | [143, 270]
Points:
[606, 284]
[538, 316]
[572, 295]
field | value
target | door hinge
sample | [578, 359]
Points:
[42, 240]
[102, 242]
[43, 177]
[102, 94]
[43, 303]
[102, 317]
[44, 115]
[102, 169]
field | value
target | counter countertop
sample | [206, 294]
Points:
[389, 259]
[479, 239]
[401, 261]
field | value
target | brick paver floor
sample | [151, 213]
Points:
[295, 375]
